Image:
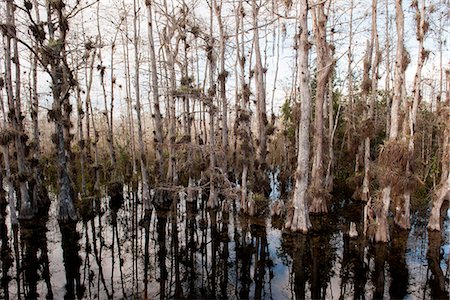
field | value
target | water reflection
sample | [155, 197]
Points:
[354, 269]
[72, 261]
[35, 257]
[397, 264]
[184, 251]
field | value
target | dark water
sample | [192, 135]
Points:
[188, 252]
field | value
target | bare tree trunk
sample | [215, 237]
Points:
[324, 67]
[382, 226]
[81, 140]
[130, 118]
[243, 115]
[171, 52]
[402, 213]
[110, 138]
[260, 90]
[442, 191]
[223, 74]
[373, 60]
[142, 157]
[299, 219]
[388, 67]
[102, 70]
[6, 160]
[212, 200]
[332, 124]
[26, 211]
[62, 83]
[351, 111]
[158, 142]
[39, 199]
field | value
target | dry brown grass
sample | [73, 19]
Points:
[391, 168]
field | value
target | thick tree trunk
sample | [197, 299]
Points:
[440, 195]
[382, 226]
[366, 193]
[324, 67]
[260, 90]
[442, 191]
[299, 219]
[402, 213]
[13, 92]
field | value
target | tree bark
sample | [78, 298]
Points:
[382, 226]
[299, 219]
[142, 154]
[260, 90]
[442, 191]
[158, 142]
[324, 67]
[62, 83]
[223, 74]
[402, 213]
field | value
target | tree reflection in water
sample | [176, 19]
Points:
[182, 250]
[72, 260]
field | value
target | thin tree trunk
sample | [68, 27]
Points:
[158, 142]
[142, 154]
[350, 113]
[171, 52]
[223, 74]
[329, 177]
[212, 200]
[6, 161]
[371, 99]
[102, 70]
[130, 117]
[388, 68]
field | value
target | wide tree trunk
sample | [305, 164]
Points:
[381, 226]
[260, 90]
[324, 67]
[62, 82]
[298, 219]
[402, 212]
[442, 191]
[13, 92]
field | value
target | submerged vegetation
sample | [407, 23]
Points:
[192, 112]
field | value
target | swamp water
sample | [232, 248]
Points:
[189, 252]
